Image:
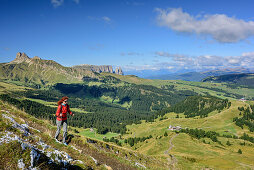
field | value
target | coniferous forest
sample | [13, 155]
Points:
[147, 103]
[197, 106]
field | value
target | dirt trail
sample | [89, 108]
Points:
[173, 160]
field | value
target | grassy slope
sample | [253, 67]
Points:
[42, 72]
[36, 136]
[94, 135]
[7, 87]
[107, 158]
[246, 79]
[187, 150]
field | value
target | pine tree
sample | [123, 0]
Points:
[165, 134]
[240, 151]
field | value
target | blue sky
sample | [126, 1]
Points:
[133, 34]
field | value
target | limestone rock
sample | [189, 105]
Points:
[21, 57]
[100, 69]
[119, 71]
[36, 58]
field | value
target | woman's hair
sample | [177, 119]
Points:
[62, 99]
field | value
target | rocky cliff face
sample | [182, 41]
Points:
[119, 71]
[100, 69]
[21, 57]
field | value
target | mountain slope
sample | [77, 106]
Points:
[28, 147]
[192, 152]
[246, 79]
[33, 138]
[38, 71]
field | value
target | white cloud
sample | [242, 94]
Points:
[208, 60]
[219, 26]
[131, 54]
[199, 63]
[138, 68]
[57, 3]
[178, 58]
[248, 54]
[205, 62]
[76, 1]
[233, 61]
[104, 19]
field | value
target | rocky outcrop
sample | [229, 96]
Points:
[100, 69]
[41, 153]
[20, 57]
[103, 68]
[36, 58]
[119, 71]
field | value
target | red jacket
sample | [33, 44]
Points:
[64, 111]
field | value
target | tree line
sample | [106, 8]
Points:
[197, 106]
[199, 133]
[246, 119]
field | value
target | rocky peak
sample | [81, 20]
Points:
[36, 58]
[21, 57]
[106, 68]
[119, 71]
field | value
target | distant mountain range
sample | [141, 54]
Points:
[246, 79]
[198, 76]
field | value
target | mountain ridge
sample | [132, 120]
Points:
[39, 71]
[246, 79]
[100, 68]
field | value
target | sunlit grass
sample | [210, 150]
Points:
[92, 134]
[193, 153]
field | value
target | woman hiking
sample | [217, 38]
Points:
[61, 118]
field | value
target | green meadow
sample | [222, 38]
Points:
[10, 87]
[190, 152]
[93, 135]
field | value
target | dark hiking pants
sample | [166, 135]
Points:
[59, 125]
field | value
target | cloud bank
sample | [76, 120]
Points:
[198, 63]
[220, 27]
